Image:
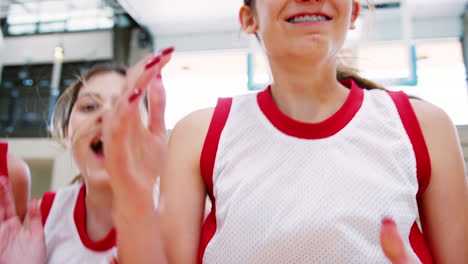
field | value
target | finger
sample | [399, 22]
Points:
[129, 112]
[134, 72]
[115, 144]
[392, 244]
[34, 217]
[8, 204]
[139, 76]
[132, 76]
[3, 190]
[157, 106]
[113, 260]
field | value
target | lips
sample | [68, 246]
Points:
[97, 146]
[308, 17]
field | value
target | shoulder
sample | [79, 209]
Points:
[193, 127]
[435, 122]
[65, 195]
[441, 139]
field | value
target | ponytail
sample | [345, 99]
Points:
[77, 179]
[345, 72]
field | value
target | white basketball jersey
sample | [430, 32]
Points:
[284, 191]
[65, 231]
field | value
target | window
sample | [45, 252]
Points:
[58, 16]
[195, 81]
[441, 75]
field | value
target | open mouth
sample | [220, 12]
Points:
[97, 146]
[308, 18]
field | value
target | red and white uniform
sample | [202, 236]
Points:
[64, 218]
[284, 191]
[3, 159]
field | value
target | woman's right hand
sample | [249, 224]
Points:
[20, 242]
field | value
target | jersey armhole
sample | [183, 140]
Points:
[210, 147]
[423, 167]
[413, 129]
[46, 205]
[3, 159]
[207, 163]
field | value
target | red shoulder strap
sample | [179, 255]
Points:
[210, 147]
[411, 124]
[423, 166]
[207, 162]
[46, 205]
[3, 159]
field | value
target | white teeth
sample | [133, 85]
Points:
[301, 19]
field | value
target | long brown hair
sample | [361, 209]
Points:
[64, 106]
[343, 72]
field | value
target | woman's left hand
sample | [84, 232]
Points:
[135, 155]
[392, 244]
[134, 148]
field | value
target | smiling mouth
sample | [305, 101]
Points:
[97, 146]
[308, 18]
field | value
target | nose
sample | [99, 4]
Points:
[100, 118]
[106, 107]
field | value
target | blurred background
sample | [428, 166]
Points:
[419, 46]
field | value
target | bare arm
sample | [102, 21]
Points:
[20, 183]
[444, 205]
[182, 190]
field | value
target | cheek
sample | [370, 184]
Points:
[77, 127]
[72, 126]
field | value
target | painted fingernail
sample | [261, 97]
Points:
[167, 51]
[159, 76]
[153, 62]
[388, 221]
[135, 95]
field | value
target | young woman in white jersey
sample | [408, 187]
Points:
[78, 223]
[17, 173]
[305, 171]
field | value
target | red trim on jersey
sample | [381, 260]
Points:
[324, 129]
[79, 216]
[207, 161]
[4, 159]
[411, 124]
[46, 205]
[423, 165]
[419, 245]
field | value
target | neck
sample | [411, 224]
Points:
[99, 206]
[306, 92]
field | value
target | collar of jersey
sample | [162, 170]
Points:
[79, 215]
[324, 129]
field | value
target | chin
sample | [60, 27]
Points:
[101, 179]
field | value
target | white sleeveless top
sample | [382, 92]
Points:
[67, 241]
[284, 191]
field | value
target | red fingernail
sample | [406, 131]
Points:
[388, 221]
[136, 94]
[167, 51]
[159, 76]
[153, 62]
